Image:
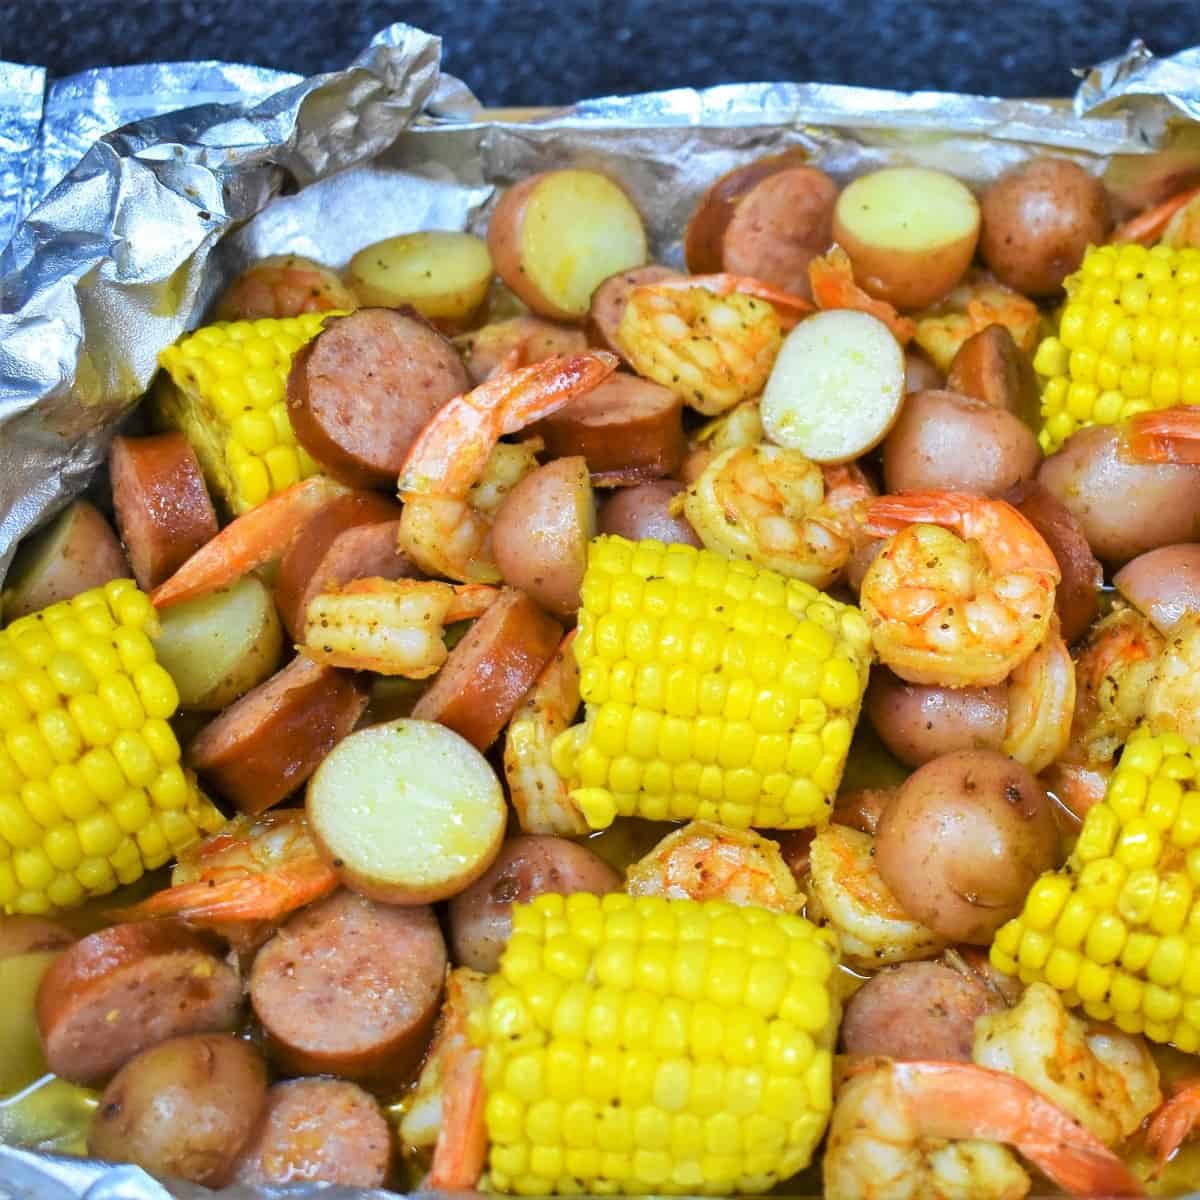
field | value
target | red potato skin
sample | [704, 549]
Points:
[162, 507]
[31, 935]
[626, 424]
[360, 392]
[641, 512]
[317, 558]
[1077, 597]
[114, 993]
[920, 375]
[530, 337]
[609, 300]
[266, 744]
[350, 987]
[318, 1131]
[1164, 584]
[491, 669]
[1123, 507]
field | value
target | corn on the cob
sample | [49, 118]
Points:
[1128, 340]
[1118, 929]
[230, 400]
[646, 1045]
[714, 689]
[91, 789]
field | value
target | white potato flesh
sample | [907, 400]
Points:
[836, 387]
[442, 274]
[407, 812]
[909, 208]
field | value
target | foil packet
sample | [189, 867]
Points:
[120, 240]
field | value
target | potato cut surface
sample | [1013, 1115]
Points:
[908, 208]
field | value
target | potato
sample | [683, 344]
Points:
[910, 233]
[946, 441]
[1038, 220]
[443, 275]
[22, 1061]
[1164, 584]
[644, 512]
[920, 375]
[963, 840]
[836, 387]
[541, 533]
[991, 367]
[217, 647]
[555, 237]
[407, 812]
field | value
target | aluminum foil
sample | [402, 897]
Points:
[127, 251]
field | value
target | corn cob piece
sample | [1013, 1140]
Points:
[1128, 340]
[1118, 929]
[714, 690]
[645, 1045]
[229, 397]
[92, 793]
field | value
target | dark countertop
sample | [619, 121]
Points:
[541, 52]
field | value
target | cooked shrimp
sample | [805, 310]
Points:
[255, 869]
[1105, 1079]
[929, 1130]
[1041, 704]
[389, 626]
[446, 1111]
[976, 303]
[845, 890]
[1077, 788]
[539, 794]
[1147, 226]
[1165, 435]
[1172, 1125]
[963, 592]
[740, 426]
[704, 861]
[284, 285]
[446, 524]
[1173, 699]
[771, 506]
[1113, 674]
[254, 538]
[832, 278]
[712, 350]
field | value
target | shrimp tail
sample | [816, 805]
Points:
[1149, 225]
[1169, 435]
[471, 600]
[831, 277]
[1170, 1127]
[789, 307]
[890, 514]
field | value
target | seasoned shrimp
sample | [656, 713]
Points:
[390, 626]
[1165, 435]
[777, 509]
[1157, 221]
[703, 861]
[446, 524]
[976, 303]
[963, 592]
[833, 286]
[1174, 1122]
[740, 426]
[539, 794]
[930, 1130]
[284, 285]
[1105, 1079]
[1041, 704]
[845, 889]
[1077, 788]
[1173, 699]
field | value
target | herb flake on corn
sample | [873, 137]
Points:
[644, 1045]
[714, 690]
[1117, 931]
[92, 793]
[229, 398]
[1128, 340]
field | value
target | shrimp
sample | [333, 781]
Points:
[539, 794]
[1158, 220]
[446, 1111]
[713, 349]
[832, 278]
[1173, 1123]
[254, 538]
[1106, 1080]
[740, 426]
[1173, 699]
[977, 302]
[1077, 789]
[772, 507]
[389, 626]
[929, 1129]
[446, 524]
[1113, 675]
[244, 878]
[963, 592]
[284, 285]
[1165, 435]
[704, 861]
[1041, 704]
[846, 892]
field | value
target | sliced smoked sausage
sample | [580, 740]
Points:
[364, 387]
[116, 992]
[265, 745]
[350, 987]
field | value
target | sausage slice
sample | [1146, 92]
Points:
[360, 392]
[265, 745]
[491, 669]
[116, 992]
[350, 987]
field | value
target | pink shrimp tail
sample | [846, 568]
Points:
[471, 600]
[1149, 225]
[1170, 435]
[1171, 1126]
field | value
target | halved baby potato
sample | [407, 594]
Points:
[408, 812]
[442, 274]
